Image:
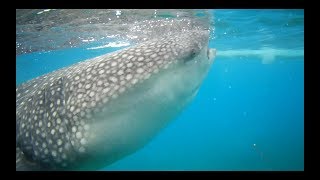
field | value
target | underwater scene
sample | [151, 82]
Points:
[160, 89]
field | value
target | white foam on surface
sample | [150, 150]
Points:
[268, 55]
[112, 44]
[46, 10]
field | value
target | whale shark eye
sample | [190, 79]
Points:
[191, 56]
[193, 53]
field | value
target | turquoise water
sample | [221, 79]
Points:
[249, 113]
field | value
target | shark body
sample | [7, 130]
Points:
[90, 114]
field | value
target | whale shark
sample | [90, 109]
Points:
[97, 111]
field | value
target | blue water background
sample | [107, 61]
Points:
[248, 115]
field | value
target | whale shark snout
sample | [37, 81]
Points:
[90, 114]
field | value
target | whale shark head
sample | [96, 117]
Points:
[192, 61]
[166, 77]
[93, 113]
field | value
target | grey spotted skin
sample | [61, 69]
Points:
[66, 119]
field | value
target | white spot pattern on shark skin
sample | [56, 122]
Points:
[68, 101]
